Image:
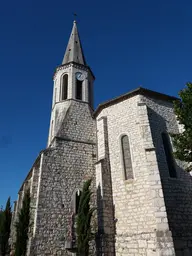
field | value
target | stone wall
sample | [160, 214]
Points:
[140, 214]
[78, 123]
[177, 191]
[149, 215]
[65, 166]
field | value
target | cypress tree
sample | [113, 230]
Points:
[22, 226]
[183, 141]
[5, 224]
[84, 216]
[1, 216]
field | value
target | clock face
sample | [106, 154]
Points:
[80, 76]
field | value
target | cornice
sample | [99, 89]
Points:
[75, 65]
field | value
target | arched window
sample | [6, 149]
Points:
[64, 87]
[126, 154]
[169, 155]
[79, 89]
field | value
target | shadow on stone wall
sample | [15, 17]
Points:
[105, 241]
[105, 207]
[177, 191]
[100, 222]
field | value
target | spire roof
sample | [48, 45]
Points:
[74, 50]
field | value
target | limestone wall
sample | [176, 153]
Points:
[177, 191]
[140, 214]
[65, 166]
[149, 215]
[78, 123]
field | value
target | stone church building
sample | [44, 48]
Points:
[143, 195]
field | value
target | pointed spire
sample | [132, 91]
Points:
[74, 51]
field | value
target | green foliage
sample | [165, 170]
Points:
[183, 141]
[84, 216]
[22, 226]
[5, 223]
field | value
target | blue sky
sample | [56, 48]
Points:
[126, 43]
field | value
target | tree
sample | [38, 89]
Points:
[183, 141]
[1, 216]
[84, 216]
[5, 225]
[22, 226]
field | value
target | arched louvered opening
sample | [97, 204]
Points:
[126, 154]
[79, 86]
[64, 87]
[169, 155]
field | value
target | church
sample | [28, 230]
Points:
[142, 194]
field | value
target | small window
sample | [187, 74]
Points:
[126, 154]
[169, 155]
[64, 87]
[77, 201]
[79, 89]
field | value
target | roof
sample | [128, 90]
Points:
[30, 171]
[138, 91]
[74, 50]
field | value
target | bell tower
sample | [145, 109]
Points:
[73, 81]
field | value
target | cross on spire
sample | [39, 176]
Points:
[75, 16]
